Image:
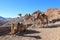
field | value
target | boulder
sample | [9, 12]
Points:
[53, 14]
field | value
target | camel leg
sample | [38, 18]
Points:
[12, 29]
[25, 28]
[46, 23]
[18, 29]
[42, 23]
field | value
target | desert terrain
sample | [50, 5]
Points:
[50, 33]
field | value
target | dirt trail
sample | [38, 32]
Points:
[35, 34]
[51, 33]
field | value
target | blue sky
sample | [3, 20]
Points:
[11, 8]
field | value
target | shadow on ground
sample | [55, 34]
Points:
[29, 32]
[53, 26]
[37, 37]
[23, 34]
[3, 33]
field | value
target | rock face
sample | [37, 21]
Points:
[2, 22]
[53, 14]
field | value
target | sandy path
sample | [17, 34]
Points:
[36, 34]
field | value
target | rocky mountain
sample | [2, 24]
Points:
[4, 20]
[53, 14]
[8, 19]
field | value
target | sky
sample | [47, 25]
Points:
[11, 8]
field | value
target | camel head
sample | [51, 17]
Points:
[36, 14]
[27, 16]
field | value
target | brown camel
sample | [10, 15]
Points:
[44, 19]
[36, 15]
[13, 29]
[40, 16]
[17, 29]
[27, 18]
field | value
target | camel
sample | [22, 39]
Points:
[42, 17]
[27, 18]
[17, 29]
[36, 15]
[13, 29]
